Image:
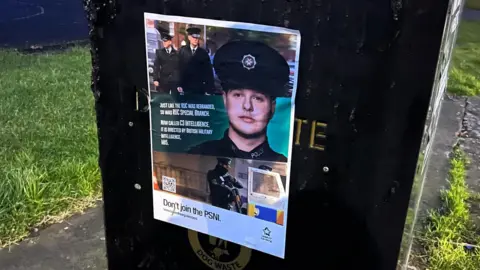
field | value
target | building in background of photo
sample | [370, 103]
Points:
[152, 37]
[178, 31]
[189, 171]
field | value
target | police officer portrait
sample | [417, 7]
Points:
[252, 76]
[234, 89]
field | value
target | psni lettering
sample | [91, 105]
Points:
[212, 215]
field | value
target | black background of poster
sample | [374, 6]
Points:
[366, 69]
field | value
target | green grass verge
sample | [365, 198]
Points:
[464, 77]
[450, 239]
[472, 4]
[48, 141]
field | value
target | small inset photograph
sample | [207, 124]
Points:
[185, 57]
[249, 187]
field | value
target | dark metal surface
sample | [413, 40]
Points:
[366, 70]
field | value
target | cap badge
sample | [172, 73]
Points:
[249, 61]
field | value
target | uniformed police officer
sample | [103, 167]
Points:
[252, 76]
[195, 66]
[223, 185]
[166, 67]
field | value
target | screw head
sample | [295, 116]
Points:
[138, 187]
[326, 169]
[130, 124]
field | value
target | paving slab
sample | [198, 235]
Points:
[472, 149]
[76, 244]
[471, 122]
[449, 125]
[470, 142]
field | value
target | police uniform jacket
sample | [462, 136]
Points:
[226, 147]
[166, 68]
[221, 183]
[196, 71]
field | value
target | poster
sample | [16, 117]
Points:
[221, 113]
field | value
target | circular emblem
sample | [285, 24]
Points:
[249, 61]
[217, 253]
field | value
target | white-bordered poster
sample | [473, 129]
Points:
[222, 118]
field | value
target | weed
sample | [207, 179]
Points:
[449, 238]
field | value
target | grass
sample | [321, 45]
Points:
[464, 77]
[450, 239]
[475, 196]
[48, 141]
[472, 4]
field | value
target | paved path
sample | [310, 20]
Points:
[24, 23]
[471, 14]
[74, 245]
[459, 123]
[449, 125]
[470, 141]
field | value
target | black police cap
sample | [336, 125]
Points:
[194, 32]
[166, 37]
[223, 160]
[252, 65]
[265, 167]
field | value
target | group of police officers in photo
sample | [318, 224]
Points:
[252, 76]
[187, 70]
